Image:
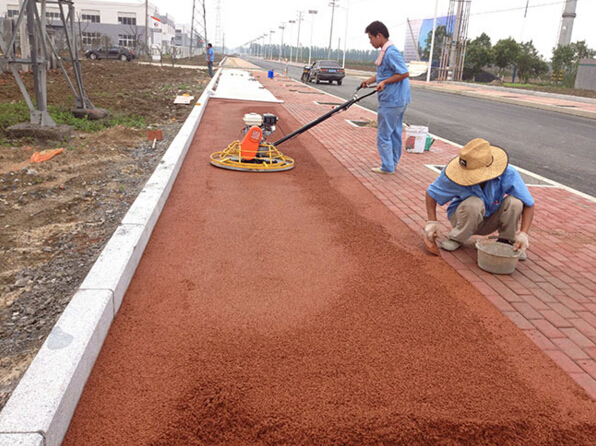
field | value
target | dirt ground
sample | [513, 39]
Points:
[56, 216]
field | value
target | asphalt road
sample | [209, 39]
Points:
[557, 146]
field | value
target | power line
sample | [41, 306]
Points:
[521, 7]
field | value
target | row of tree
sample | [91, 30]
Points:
[507, 53]
[318, 53]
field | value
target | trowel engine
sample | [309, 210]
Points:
[254, 154]
[256, 129]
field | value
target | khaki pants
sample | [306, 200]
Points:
[468, 219]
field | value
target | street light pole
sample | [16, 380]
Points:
[281, 46]
[270, 45]
[333, 5]
[291, 34]
[312, 26]
[263, 49]
[298, 47]
[346, 34]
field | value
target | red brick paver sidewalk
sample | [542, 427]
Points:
[551, 296]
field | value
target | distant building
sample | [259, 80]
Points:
[114, 23]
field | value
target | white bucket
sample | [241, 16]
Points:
[416, 138]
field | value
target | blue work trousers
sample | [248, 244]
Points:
[210, 65]
[390, 122]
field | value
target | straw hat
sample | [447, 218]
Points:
[477, 162]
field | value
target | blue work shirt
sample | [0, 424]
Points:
[443, 190]
[210, 55]
[396, 94]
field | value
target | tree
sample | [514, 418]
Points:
[440, 34]
[479, 54]
[505, 53]
[566, 60]
[529, 62]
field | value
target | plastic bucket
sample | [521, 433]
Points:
[270, 74]
[416, 138]
[497, 258]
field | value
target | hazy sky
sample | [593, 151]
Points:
[244, 20]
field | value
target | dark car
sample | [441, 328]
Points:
[323, 70]
[113, 52]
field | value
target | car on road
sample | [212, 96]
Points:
[323, 70]
[113, 52]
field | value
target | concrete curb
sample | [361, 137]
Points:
[542, 94]
[40, 409]
[472, 94]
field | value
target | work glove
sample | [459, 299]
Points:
[431, 229]
[521, 241]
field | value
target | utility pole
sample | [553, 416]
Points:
[147, 27]
[453, 56]
[521, 39]
[333, 5]
[432, 43]
[567, 23]
[298, 46]
[346, 34]
[218, 25]
[312, 26]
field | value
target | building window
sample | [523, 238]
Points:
[90, 16]
[127, 18]
[12, 11]
[53, 15]
[126, 40]
[91, 38]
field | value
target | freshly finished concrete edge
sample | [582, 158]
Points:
[41, 407]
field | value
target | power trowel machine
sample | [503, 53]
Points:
[255, 154]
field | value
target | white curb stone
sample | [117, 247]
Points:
[47, 395]
[21, 440]
[116, 265]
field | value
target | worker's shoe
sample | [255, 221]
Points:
[450, 245]
[523, 255]
[379, 170]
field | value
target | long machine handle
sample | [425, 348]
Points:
[326, 116]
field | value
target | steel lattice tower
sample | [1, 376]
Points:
[42, 49]
[453, 56]
[198, 27]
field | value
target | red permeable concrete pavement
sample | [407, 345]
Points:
[295, 308]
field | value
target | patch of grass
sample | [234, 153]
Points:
[134, 121]
[16, 112]
[63, 116]
[13, 113]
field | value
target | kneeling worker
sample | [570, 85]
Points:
[485, 195]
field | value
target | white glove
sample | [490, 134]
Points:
[521, 241]
[431, 229]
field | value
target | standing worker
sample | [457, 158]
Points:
[210, 58]
[485, 194]
[393, 86]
